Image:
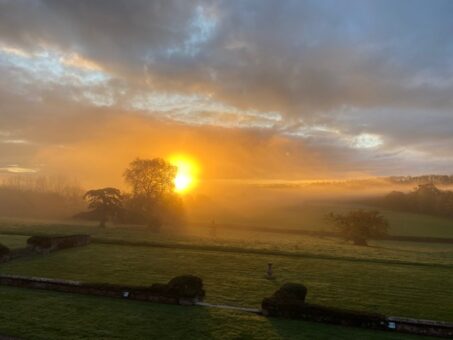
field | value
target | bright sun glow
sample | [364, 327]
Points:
[186, 176]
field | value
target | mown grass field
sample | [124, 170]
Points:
[239, 279]
[14, 241]
[47, 315]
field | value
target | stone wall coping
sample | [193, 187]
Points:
[420, 321]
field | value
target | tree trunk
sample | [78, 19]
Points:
[102, 223]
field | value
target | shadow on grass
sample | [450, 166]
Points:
[298, 329]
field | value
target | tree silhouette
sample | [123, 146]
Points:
[152, 183]
[359, 225]
[150, 178]
[425, 198]
[106, 202]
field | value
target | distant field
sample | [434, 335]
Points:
[200, 235]
[47, 315]
[410, 224]
[312, 217]
[238, 279]
[308, 216]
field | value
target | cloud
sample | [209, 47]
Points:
[368, 83]
[14, 169]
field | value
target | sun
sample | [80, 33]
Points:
[185, 178]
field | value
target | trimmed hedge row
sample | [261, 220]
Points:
[49, 243]
[312, 312]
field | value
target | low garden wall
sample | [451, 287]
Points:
[289, 302]
[181, 290]
[422, 327]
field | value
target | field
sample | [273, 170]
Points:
[395, 278]
[311, 216]
[276, 243]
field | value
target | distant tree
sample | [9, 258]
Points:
[152, 183]
[425, 198]
[105, 202]
[171, 210]
[360, 225]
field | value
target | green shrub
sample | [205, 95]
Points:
[4, 250]
[57, 242]
[186, 286]
[291, 292]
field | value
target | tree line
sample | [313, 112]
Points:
[151, 201]
[32, 196]
[417, 180]
[425, 198]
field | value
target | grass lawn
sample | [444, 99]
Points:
[32, 314]
[404, 290]
[14, 241]
[422, 289]
[410, 224]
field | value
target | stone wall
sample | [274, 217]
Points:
[155, 293]
[422, 327]
[317, 313]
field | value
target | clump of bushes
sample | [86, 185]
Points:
[4, 251]
[57, 242]
[291, 292]
[186, 286]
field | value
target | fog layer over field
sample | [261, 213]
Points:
[213, 201]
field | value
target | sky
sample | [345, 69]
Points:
[260, 89]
